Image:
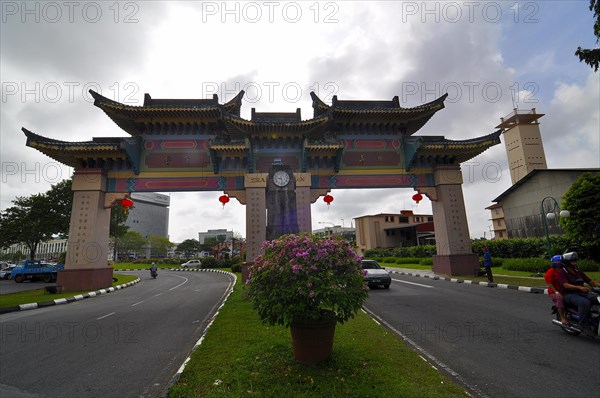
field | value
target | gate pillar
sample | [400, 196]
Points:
[453, 242]
[256, 216]
[86, 264]
[303, 201]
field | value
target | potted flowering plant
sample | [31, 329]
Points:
[307, 283]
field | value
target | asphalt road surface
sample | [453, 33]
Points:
[128, 343]
[497, 342]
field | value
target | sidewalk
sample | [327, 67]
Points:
[425, 273]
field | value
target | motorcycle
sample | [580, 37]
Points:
[153, 273]
[573, 317]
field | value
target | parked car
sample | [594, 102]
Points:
[375, 274]
[5, 272]
[191, 263]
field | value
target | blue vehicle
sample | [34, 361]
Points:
[35, 270]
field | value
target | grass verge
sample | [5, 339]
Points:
[242, 357]
[40, 295]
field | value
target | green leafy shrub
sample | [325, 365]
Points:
[408, 260]
[236, 267]
[426, 261]
[526, 264]
[209, 262]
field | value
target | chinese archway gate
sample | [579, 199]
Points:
[275, 163]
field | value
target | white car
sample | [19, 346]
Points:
[191, 263]
[376, 275]
[6, 272]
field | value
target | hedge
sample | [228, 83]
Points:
[541, 264]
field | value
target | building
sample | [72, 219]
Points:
[388, 230]
[518, 211]
[50, 250]
[220, 235]
[150, 214]
[523, 142]
[348, 233]
[521, 204]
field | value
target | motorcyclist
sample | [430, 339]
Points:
[153, 269]
[575, 292]
[554, 289]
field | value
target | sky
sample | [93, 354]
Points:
[490, 57]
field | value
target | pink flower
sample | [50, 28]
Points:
[311, 294]
[296, 268]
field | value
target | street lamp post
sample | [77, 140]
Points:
[550, 214]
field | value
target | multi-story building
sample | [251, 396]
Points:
[50, 250]
[150, 214]
[387, 230]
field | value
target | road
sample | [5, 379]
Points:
[128, 343]
[498, 342]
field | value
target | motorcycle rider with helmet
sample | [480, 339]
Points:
[555, 291]
[575, 292]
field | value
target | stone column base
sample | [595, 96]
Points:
[84, 279]
[456, 264]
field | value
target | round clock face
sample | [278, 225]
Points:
[281, 178]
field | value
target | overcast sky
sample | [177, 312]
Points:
[489, 56]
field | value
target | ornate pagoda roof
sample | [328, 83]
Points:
[379, 114]
[448, 151]
[163, 115]
[100, 152]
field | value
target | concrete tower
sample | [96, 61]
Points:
[523, 141]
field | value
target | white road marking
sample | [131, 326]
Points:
[413, 283]
[139, 302]
[182, 283]
[105, 316]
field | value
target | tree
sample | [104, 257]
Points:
[118, 217]
[131, 241]
[37, 218]
[159, 246]
[592, 56]
[583, 225]
[189, 248]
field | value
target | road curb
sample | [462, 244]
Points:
[527, 289]
[66, 300]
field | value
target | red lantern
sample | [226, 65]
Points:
[126, 203]
[224, 199]
[328, 199]
[417, 197]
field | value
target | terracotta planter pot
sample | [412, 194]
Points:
[312, 341]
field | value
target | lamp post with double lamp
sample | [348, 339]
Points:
[548, 212]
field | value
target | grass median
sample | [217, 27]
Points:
[242, 357]
[40, 295]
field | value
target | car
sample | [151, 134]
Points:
[6, 271]
[191, 263]
[375, 274]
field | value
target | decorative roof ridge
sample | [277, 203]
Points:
[234, 106]
[180, 104]
[240, 120]
[319, 107]
[370, 104]
[276, 117]
[96, 140]
[438, 139]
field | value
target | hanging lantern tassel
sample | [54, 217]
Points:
[126, 203]
[328, 199]
[417, 197]
[224, 199]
